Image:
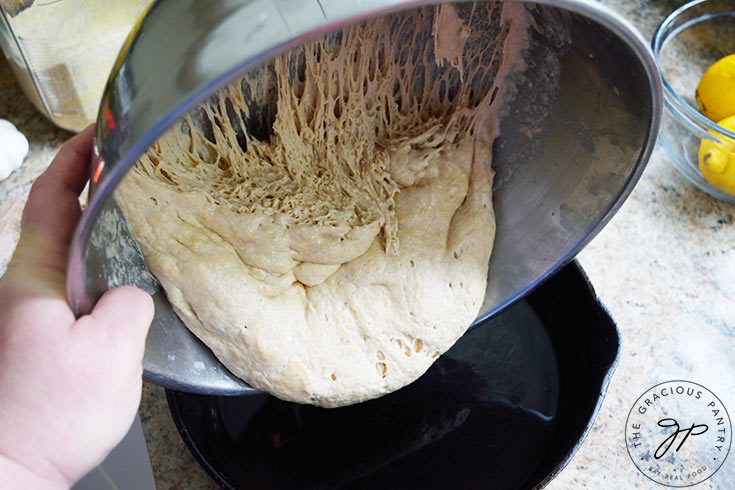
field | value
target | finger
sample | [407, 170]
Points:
[69, 169]
[126, 313]
[51, 213]
[53, 203]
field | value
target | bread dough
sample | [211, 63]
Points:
[335, 259]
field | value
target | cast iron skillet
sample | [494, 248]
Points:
[506, 407]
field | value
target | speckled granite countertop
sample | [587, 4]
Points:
[664, 267]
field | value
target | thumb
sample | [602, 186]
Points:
[126, 313]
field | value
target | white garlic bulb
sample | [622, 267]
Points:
[13, 148]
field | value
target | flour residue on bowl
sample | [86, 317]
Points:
[122, 260]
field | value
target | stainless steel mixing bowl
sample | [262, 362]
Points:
[574, 142]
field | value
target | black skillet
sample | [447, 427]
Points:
[505, 408]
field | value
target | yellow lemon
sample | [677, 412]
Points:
[717, 160]
[716, 90]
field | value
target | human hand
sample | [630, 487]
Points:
[69, 389]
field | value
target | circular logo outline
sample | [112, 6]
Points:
[635, 403]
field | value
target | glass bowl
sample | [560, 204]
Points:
[685, 44]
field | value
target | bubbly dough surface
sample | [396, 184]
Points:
[335, 256]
